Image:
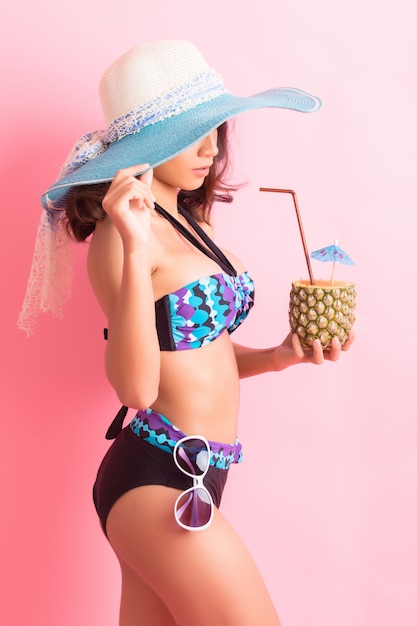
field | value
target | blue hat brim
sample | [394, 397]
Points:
[157, 143]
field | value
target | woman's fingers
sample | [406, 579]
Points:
[147, 177]
[335, 348]
[318, 355]
[135, 171]
[129, 201]
[349, 341]
[127, 187]
[296, 346]
[315, 353]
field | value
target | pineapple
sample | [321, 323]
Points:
[322, 311]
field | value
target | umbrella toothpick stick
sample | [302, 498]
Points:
[300, 226]
[334, 265]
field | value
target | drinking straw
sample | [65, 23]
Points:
[300, 226]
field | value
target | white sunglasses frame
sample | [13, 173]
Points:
[197, 483]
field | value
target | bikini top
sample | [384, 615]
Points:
[202, 310]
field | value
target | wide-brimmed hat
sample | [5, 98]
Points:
[158, 100]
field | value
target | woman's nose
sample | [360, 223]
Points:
[208, 146]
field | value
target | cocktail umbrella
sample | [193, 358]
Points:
[332, 253]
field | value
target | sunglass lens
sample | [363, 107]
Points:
[193, 457]
[194, 508]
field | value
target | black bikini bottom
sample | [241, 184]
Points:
[132, 462]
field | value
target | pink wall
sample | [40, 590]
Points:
[337, 542]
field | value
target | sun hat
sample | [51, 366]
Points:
[158, 99]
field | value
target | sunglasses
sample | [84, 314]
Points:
[194, 507]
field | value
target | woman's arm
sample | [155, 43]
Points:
[132, 359]
[124, 262]
[254, 361]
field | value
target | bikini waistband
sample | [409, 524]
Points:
[160, 432]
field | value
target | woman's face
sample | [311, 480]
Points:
[188, 170]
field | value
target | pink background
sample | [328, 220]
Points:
[326, 498]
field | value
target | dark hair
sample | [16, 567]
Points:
[84, 208]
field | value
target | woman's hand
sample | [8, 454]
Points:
[129, 201]
[291, 352]
[254, 361]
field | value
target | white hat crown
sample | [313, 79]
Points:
[149, 72]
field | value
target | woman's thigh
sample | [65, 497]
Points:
[202, 577]
[140, 605]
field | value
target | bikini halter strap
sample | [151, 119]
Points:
[210, 249]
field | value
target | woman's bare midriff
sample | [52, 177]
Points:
[199, 390]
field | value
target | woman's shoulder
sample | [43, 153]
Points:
[105, 262]
[105, 244]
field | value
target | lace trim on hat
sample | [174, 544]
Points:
[49, 283]
[202, 88]
[86, 148]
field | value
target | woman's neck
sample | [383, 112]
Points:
[166, 196]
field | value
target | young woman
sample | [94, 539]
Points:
[144, 189]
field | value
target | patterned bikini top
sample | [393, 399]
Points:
[201, 311]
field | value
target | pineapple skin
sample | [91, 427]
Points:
[322, 311]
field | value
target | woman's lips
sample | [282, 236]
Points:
[201, 171]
